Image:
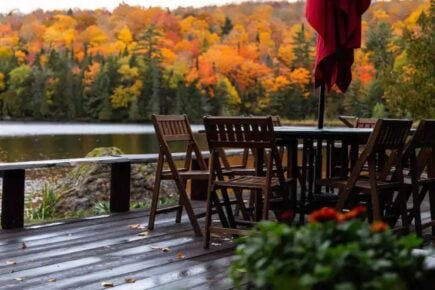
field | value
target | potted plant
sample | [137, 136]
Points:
[332, 251]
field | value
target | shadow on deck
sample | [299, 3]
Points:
[82, 254]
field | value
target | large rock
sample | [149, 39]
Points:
[87, 184]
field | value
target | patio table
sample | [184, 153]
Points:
[313, 139]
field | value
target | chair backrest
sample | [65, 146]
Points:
[239, 132]
[388, 135]
[176, 128]
[424, 139]
[276, 121]
[424, 136]
[243, 132]
[349, 121]
[365, 123]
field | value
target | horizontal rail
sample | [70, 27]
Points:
[14, 175]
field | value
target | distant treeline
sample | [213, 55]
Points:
[245, 59]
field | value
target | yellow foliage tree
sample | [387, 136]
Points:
[2, 81]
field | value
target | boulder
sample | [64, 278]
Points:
[87, 184]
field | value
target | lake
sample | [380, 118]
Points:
[22, 141]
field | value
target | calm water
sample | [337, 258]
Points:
[37, 141]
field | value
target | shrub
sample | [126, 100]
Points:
[332, 251]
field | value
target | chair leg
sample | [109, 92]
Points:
[180, 202]
[155, 197]
[228, 209]
[343, 196]
[432, 206]
[416, 210]
[189, 210]
[257, 205]
[266, 201]
[376, 207]
[208, 213]
[217, 204]
[403, 210]
[241, 204]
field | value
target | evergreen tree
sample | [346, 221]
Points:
[302, 48]
[97, 96]
[152, 72]
[227, 27]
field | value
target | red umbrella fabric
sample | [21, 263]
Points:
[338, 24]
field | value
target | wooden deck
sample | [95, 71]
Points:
[83, 254]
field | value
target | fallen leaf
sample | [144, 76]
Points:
[51, 280]
[134, 226]
[129, 280]
[11, 262]
[180, 256]
[165, 250]
[23, 246]
[107, 284]
[143, 234]
[19, 279]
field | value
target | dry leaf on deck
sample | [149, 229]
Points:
[180, 256]
[23, 246]
[165, 250]
[107, 284]
[135, 226]
[11, 262]
[51, 280]
[129, 280]
[143, 234]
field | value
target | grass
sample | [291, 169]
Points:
[40, 206]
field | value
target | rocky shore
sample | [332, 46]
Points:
[80, 187]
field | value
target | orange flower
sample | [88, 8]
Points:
[323, 215]
[379, 227]
[355, 212]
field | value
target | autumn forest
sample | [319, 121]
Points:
[252, 58]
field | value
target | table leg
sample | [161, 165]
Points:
[318, 165]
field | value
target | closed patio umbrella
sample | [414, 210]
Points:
[338, 24]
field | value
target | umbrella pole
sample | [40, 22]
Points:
[321, 112]
[318, 158]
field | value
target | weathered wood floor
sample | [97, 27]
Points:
[83, 254]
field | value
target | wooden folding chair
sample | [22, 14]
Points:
[365, 123]
[176, 128]
[336, 165]
[255, 133]
[421, 153]
[388, 136]
[243, 168]
[349, 121]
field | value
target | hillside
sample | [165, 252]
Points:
[252, 58]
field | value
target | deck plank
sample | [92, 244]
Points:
[81, 254]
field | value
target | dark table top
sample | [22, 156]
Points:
[314, 132]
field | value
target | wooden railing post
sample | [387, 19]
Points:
[120, 187]
[12, 215]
